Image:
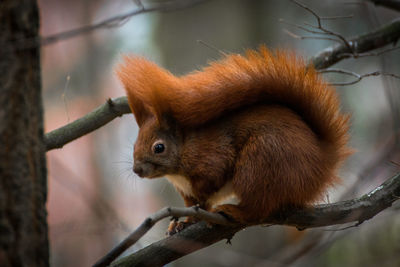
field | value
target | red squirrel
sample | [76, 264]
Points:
[245, 137]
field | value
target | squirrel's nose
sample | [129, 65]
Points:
[138, 169]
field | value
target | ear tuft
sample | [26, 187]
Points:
[146, 86]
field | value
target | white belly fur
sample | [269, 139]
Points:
[225, 195]
[181, 183]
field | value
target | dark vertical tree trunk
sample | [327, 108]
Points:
[23, 226]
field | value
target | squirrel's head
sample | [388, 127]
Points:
[156, 150]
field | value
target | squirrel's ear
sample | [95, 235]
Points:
[138, 108]
[131, 73]
[148, 88]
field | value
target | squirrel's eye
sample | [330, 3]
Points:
[159, 148]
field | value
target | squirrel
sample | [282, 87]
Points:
[245, 137]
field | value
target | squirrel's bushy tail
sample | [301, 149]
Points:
[236, 81]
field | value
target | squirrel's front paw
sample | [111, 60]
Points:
[176, 226]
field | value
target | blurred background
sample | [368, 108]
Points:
[94, 198]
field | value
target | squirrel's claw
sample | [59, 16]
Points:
[176, 226]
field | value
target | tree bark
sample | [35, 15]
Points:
[23, 188]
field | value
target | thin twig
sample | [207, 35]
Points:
[212, 47]
[320, 27]
[149, 222]
[114, 21]
[309, 37]
[330, 32]
[337, 17]
[117, 20]
[318, 18]
[302, 27]
[358, 77]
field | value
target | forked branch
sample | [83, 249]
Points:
[358, 77]
[200, 235]
[150, 221]
[386, 35]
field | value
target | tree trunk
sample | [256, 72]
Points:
[23, 189]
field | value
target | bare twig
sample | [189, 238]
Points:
[115, 21]
[387, 34]
[212, 47]
[349, 47]
[358, 77]
[309, 37]
[337, 17]
[320, 27]
[119, 20]
[201, 235]
[100, 116]
[317, 17]
[301, 27]
[149, 222]
[329, 32]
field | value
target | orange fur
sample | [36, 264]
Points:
[266, 122]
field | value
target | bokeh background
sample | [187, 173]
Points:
[94, 198]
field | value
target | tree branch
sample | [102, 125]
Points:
[322, 30]
[358, 77]
[150, 221]
[200, 235]
[119, 19]
[115, 21]
[387, 34]
[342, 212]
[95, 119]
